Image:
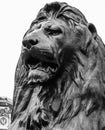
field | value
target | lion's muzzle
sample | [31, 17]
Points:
[39, 46]
[39, 56]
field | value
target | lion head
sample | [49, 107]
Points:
[59, 79]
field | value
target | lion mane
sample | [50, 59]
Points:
[60, 75]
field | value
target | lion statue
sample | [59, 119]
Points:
[60, 75]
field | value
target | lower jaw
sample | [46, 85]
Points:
[37, 75]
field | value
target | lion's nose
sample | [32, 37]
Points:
[29, 43]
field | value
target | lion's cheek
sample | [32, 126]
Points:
[38, 75]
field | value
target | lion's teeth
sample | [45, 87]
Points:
[32, 81]
[51, 69]
[48, 69]
[31, 66]
[39, 64]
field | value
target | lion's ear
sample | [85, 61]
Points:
[92, 29]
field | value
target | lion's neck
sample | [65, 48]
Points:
[54, 102]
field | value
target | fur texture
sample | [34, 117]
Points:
[60, 75]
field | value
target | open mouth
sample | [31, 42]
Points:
[40, 68]
[34, 63]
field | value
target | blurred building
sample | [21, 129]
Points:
[5, 113]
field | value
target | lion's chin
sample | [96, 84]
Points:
[39, 75]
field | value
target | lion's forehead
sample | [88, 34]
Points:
[58, 9]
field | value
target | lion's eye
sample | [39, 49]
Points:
[53, 31]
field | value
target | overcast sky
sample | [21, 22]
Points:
[15, 18]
